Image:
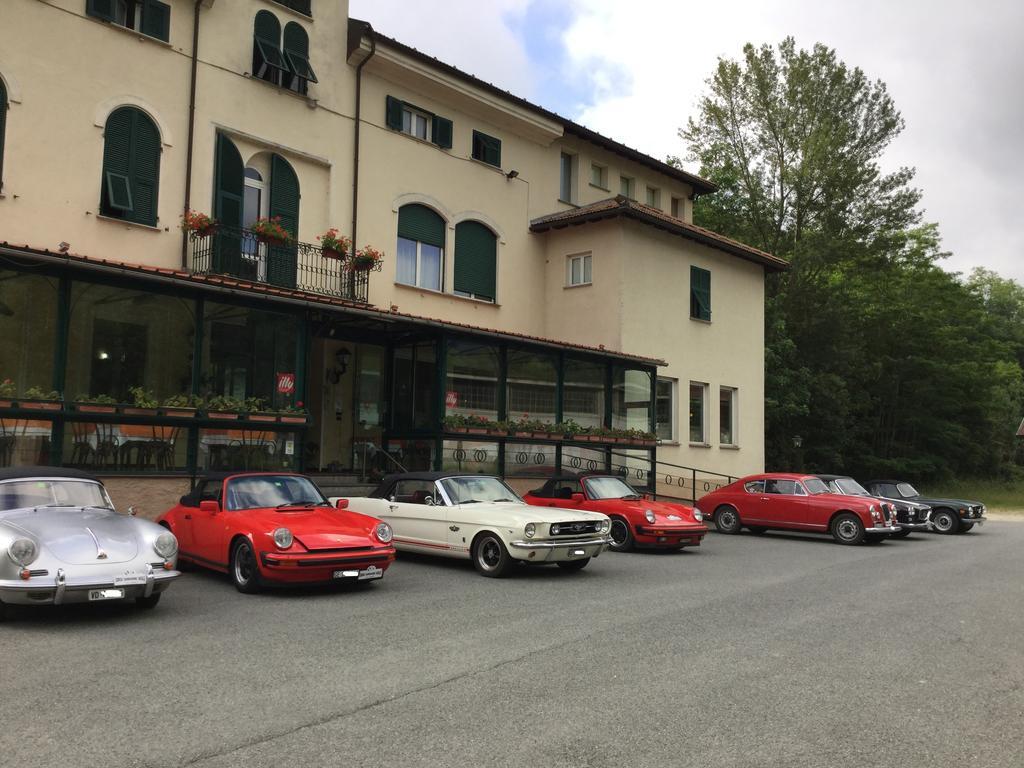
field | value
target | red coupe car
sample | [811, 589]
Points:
[797, 503]
[636, 520]
[276, 527]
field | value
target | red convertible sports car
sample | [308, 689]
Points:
[636, 521]
[263, 527]
[797, 503]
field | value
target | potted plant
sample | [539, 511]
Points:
[568, 429]
[476, 425]
[455, 423]
[366, 259]
[332, 246]
[181, 406]
[143, 403]
[255, 410]
[38, 399]
[95, 404]
[8, 390]
[224, 407]
[271, 231]
[199, 224]
[294, 414]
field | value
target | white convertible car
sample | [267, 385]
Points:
[479, 517]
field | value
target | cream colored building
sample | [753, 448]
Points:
[528, 263]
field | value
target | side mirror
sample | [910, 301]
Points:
[133, 510]
[341, 504]
[577, 497]
[209, 507]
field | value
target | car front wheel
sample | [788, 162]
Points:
[622, 537]
[727, 520]
[848, 529]
[490, 557]
[244, 572]
[944, 521]
[573, 565]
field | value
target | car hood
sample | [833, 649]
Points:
[318, 527]
[662, 509]
[77, 536]
[516, 513]
[863, 501]
[944, 502]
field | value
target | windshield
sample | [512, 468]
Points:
[273, 491]
[850, 487]
[53, 493]
[470, 490]
[907, 490]
[815, 486]
[609, 488]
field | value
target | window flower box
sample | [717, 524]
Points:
[95, 408]
[294, 418]
[179, 412]
[271, 417]
[271, 232]
[40, 405]
[332, 246]
[4, 403]
[135, 410]
[524, 435]
[223, 415]
[459, 430]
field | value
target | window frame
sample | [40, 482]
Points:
[733, 416]
[135, 11]
[567, 184]
[627, 186]
[653, 197]
[419, 267]
[678, 208]
[673, 407]
[699, 309]
[602, 176]
[704, 390]
[585, 259]
[414, 112]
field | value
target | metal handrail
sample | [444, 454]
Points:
[676, 478]
[377, 450]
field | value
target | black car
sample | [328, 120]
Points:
[910, 515]
[948, 515]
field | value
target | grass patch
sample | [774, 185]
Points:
[996, 495]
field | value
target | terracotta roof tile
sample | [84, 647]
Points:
[622, 206]
[307, 297]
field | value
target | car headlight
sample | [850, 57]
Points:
[383, 533]
[166, 545]
[23, 551]
[698, 515]
[283, 538]
[604, 526]
[874, 513]
[649, 514]
[531, 528]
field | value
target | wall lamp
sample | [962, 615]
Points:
[512, 174]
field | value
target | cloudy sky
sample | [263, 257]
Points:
[634, 71]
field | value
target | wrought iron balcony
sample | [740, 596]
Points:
[300, 266]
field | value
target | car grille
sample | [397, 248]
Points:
[903, 516]
[347, 562]
[975, 511]
[580, 528]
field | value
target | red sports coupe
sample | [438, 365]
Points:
[636, 520]
[276, 527]
[797, 502]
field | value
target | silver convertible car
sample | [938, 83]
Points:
[62, 542]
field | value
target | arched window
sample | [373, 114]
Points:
[130, 185]
[476, 261]
[267, 60]
[3, 129]
[296, 55]
[420, 247]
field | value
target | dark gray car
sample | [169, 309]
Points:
[948, 515]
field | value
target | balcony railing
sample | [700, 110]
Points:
[300, 266]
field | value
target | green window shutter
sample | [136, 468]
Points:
[394, 113]
[282, 262]
[100, 9]
[156, 20]
[145, 178]
[476, 259]
[3, 130]
[700, 293]
[442, 132]
[296, 53]
[229, 188]
[417, 222]
[115, 194]
[302, 6]
[268, 61]
[487, 149]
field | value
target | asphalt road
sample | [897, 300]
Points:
[775, 651]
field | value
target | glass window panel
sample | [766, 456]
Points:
[565, 188]
[125, 447]
[472, 382]
[245, 349]
[470, 457]
[576, 272]
[25, 442]
[666, 409]
[576, 458]
[430, 267]
[626, 186]
[631, 399]
[407, 121]
[28, 329]
[586, 269]
[634, 466]
[726, 415]
[697, 412]
[119, 339]
[584, 393]
[532, 383]
[415, 385]
[257, 450]
[413, 455]
[406, 269]
[529, 460]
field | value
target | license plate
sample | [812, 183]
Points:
[130, 579]
[106, 594]
[373, 572]
[346, 574]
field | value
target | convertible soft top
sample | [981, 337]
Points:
[380, 491]
[20, 473]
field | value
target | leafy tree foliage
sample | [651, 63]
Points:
[881, 361]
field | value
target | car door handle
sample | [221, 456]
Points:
[453, 528]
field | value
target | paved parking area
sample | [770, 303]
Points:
[773, 651]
